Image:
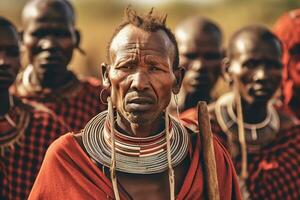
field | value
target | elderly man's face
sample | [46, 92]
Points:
[140, 75]
[257, 67]
[9, 57]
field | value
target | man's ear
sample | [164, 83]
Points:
[226, 73]
[179, 75]
[77, 38]
[21, 33]
[104, 73]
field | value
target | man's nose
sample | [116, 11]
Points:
[49, 42]
[3, 59]
[140, 80]
[197, 65]
[260, 74]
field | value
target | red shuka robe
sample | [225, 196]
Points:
[274, 171]
[68, 173]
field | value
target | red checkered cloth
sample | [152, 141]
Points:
[20, 165]
[274, 172]
[75, 104]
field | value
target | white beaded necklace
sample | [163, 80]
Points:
[227, 120]
[145, 156]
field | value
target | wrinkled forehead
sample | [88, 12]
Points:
[47, 11]
[134, 39]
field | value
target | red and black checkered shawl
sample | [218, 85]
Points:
[20, 164]
[75, 105]
[274, 171]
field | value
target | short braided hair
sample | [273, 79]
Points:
[149, 23]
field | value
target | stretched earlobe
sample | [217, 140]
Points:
[104, 73]
[226, 73]
[179, 74]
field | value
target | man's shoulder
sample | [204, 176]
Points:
[90, 82]
[61, 146]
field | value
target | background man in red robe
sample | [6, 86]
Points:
[140, 151]
[50, 37]
[263, 141]
[200, 50]
[25, 131]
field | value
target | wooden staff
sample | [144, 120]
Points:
[209, 165]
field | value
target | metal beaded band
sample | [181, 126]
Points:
[97, 146]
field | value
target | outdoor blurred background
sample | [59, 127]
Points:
[97, 19]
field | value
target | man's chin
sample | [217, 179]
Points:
[138, 118]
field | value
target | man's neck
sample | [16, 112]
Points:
[192, 99]
[253, 112]
[52, 81]
[139, 130]
[5, 105]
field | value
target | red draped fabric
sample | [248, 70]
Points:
[68, 173]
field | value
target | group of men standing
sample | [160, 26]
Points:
[122, 139]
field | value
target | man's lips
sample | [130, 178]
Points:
[139, 104]
[261, 90]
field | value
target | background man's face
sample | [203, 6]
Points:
[294, 64]
[257, 67]
[9, 57]
[49, 37]
[141, 74]
[200, 55]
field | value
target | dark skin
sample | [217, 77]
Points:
[141, 79]
[254, 69]
[49, 36]
[9, 64]
[201, 55]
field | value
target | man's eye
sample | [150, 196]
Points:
[191, 56]
[39, 34]
[212, 56]
[251, 63]
[61, 33]
[13, 52]
[125, 67]
[154, 68]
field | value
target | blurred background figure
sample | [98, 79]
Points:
[200, 48]
[287, 28]
[25, 131]
[50, 36]
[97, 19]
[264, 142]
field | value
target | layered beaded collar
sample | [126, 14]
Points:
[134, 155]
[254, 133]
